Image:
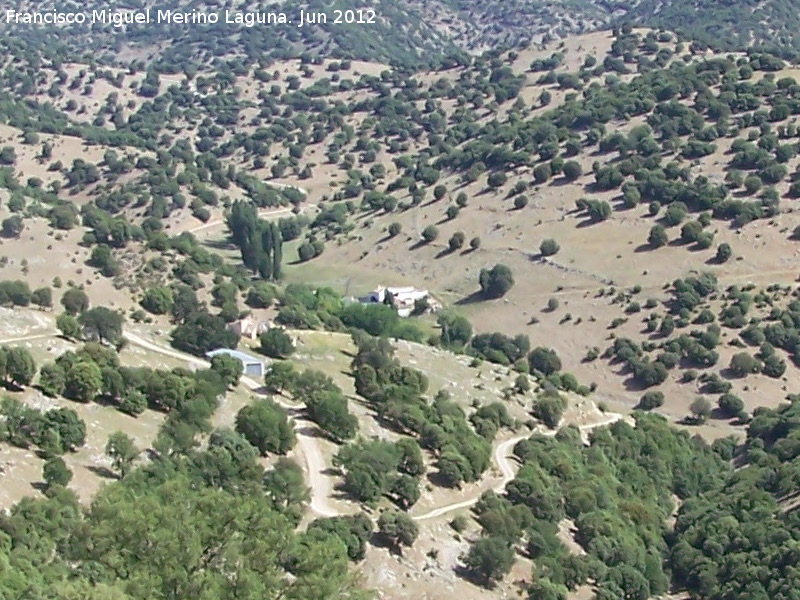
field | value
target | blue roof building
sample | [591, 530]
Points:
[251, 365]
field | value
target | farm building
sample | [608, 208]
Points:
[403, 299]
[249, 327]
[251, 365]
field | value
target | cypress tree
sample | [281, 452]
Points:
[277, 251]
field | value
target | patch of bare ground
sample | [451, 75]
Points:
[428, 570]
[22, 469]
[566, 533]
[39, 255]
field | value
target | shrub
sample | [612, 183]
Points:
[306, 251]
[544, 360]
[657, 236]
[496, 179]
[700, 409]
[549, 408]
[456, 241]
[572, 170]
[675, 213]
[495, 282]
[549, 247]
[157, 300]
[261, 295]
[752, 184]
[542, 173]
[430, 233]
[266, 426]
[731, 404]
[724, 252]
[276, 343]
[742, 364]
[650, 400]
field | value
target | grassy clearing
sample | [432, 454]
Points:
[23, 468]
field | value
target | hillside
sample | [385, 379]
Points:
[409, 34]
[593, 396]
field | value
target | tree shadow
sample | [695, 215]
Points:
[104, 400]
[587, 222]
[102, 471]
[727, 374]
[219, 244]
[39, 486]
[473, 298]
[444, 252]
[262, 390]
[316, 432]
[472, 577]
[437, 479]
[418, 244]
[11, 387]
[721, 415]
[643, 248]
[343, 496]
[379, 541]
[562, 181]
[634, 385]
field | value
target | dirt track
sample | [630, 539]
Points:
[320, 483]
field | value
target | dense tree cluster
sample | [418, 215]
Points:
[242, 544]
[618, 492]
[326, 405]
[260, 242]
[266, 426]
[442, 427]
[54, 431]
[376, 468]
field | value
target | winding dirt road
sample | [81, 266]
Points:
[321, 484]
[501, 457]
[262, 215]
[266, 214]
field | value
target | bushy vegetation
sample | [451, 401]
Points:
[440, 426]
[620, 519]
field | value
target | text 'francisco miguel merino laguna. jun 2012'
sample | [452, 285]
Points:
[121, 19]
